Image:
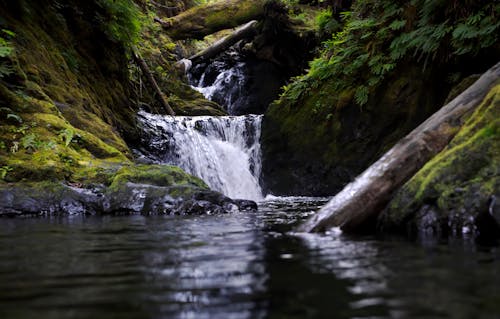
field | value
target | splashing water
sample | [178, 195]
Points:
[224, 151]
[227, 88]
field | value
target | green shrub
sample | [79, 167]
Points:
[121, 20]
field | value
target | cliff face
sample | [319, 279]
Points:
[65, 100]
[66, 111]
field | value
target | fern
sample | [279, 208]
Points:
[379, 35]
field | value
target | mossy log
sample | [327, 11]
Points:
[363, 199]
[245, 31]
[207, 19]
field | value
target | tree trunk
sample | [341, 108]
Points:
[151, 80]
[203, 20]
[364, 198]
[245, 31]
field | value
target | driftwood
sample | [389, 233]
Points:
[364, 198]
[245, 31]
[201, 21]
[151, 80]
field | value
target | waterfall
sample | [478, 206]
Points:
[224, 151]
[224, 84]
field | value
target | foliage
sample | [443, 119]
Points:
[379, 35]
[6, 51]
[4, 170]
[326, 23]
[67, 135]
[122, 20]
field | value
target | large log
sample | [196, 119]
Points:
[364, 198]
[203, 20]
[246, 31]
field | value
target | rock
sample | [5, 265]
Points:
[139, 189]
[317, 143]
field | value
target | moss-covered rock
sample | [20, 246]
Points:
[131, 189]
[65, 104]
[317, 143]
[157, 175]
[458, 191]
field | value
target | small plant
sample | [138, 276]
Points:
[6, 51]
[14, 147]
[4, 170]
[30, 142]
[67, 135]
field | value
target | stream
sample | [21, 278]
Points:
[243, 265]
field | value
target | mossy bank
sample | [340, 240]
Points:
[458, 192]
[68, 103]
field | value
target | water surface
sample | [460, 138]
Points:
[235, 266]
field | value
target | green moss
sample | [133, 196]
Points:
[160, 52]
[60, 86]
[461, 178]
[212, 17]
[158, 175]
[324, 139]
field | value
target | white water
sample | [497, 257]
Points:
[224, 151]
[228, 84]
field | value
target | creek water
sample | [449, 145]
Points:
[243, 265]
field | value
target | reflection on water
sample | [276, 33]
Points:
[234, 266]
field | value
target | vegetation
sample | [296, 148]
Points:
[455, 188]
[380, 35]
[121, 21]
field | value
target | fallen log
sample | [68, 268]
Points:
[243, 32]
[203, 20]
[364, 198]
[152, 82]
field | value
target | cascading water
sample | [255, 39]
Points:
[238, 82]
[227, 87]
[224, 151]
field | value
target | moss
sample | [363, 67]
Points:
[212, 17]
[158, 175]
[317, 142]
[459, 181]
[161, 54]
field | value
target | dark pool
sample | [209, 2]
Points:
[235, 266]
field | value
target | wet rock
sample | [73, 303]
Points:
[131, 198]
[245, 205]
[135, 189]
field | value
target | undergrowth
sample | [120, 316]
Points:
[378, 35]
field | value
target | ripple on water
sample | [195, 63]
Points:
[234, 266]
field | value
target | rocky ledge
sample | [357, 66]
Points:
[141, 189]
